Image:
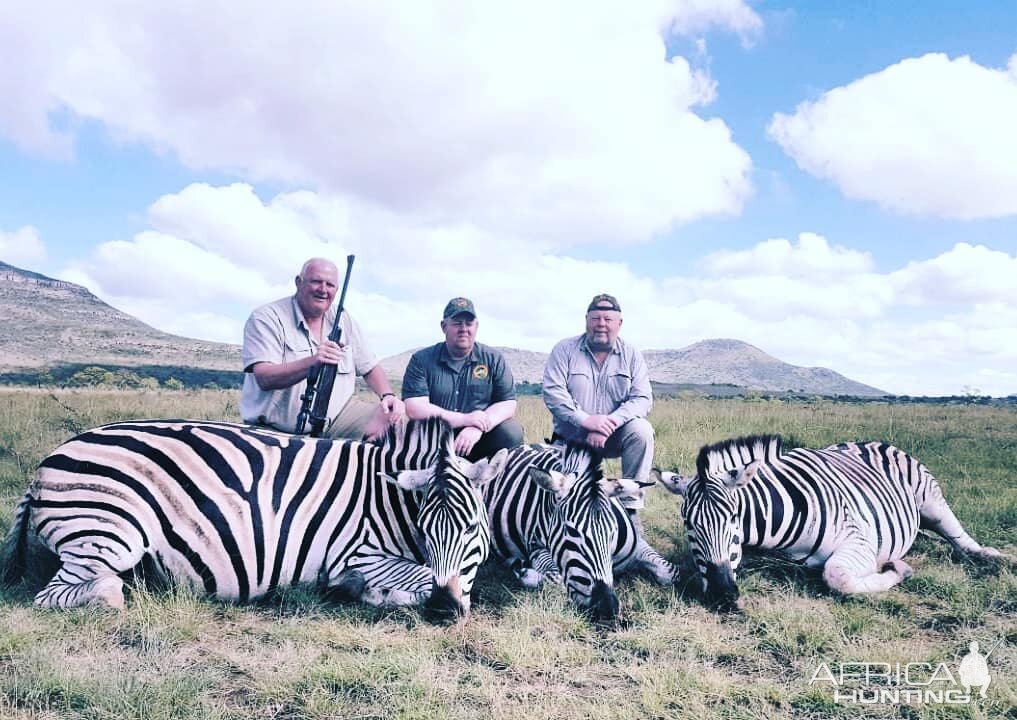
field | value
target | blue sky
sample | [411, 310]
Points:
[835, 184]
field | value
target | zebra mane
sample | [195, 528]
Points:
[582, 460]
[738, 452]
[397, 435]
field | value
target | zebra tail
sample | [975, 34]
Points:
[14, 550]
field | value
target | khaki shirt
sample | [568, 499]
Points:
[278, 333]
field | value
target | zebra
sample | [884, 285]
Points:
[238, 511]
[554, 516]
[853, 509]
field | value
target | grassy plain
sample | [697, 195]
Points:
[529, 654]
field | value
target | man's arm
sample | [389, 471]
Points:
[499, 412]
[419, 408]
[640, 398]
[263, 353]
[556, 393]
[378, 381]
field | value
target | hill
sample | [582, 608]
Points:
[45, 322]
[700, 365]
[733, 362]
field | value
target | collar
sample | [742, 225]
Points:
[615, 348]
[444, 356]
[301, 322]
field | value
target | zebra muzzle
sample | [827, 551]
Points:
[603, 605]
[721, 589]
[446, 603]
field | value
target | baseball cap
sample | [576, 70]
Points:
[457, 306]
[604, 302]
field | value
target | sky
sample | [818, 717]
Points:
[834, 183]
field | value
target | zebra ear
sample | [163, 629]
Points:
[630, 493]
[410, 479]
[485, 470]
[552, 481]
[745, 475]
[672, 481]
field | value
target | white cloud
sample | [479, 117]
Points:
[811, 256]
[965, 274]
[557, 120]
[691, 17]
[927, 136]
[22, 248]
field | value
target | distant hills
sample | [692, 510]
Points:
[702, 364]
[46, 322]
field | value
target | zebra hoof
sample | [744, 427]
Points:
[349, 586]
[530, 578]
[900, 567]
[990, 553]
[108, 592]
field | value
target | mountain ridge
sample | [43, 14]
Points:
[81, 328]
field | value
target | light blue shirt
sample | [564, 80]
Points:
[577, 386]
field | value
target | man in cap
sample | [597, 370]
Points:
[467, 384]
[285, 339]
[598, 389]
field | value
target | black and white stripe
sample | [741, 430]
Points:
[238, 511]
[853, 509]
[554, 515]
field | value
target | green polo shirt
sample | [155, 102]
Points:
[482, 379]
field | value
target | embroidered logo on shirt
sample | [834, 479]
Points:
[480, 372]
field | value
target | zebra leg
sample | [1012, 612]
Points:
[541, 567]
[82, 582]
[649, 562]
[384, 581]
[852, 569]
[937, 516]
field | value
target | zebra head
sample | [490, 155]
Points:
[713, 511]
[453, 521]
[582, 528]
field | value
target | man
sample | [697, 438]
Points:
[465, 383]
[285, 339]
[598, 389]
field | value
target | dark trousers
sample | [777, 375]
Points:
[508, 434]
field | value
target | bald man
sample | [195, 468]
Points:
[285, 339]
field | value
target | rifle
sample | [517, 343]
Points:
[314, 401]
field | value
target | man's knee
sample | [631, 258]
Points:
[637, 430]
[507, 434]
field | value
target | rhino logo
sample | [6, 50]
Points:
[974, 670]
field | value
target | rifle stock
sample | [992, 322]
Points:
[316, 397]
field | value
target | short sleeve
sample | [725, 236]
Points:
[415, 378]
[504, 384]
[363, 359]
[264, 339]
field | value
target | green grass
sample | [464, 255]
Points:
[530, 654]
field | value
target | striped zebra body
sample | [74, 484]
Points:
[853, 509]
[236, 511]
[554, 516]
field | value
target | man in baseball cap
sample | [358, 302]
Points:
[597, 387]
[467, 384]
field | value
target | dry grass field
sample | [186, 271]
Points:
[529, 654]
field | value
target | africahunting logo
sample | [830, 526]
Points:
[872, 683]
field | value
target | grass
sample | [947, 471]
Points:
[530, 654]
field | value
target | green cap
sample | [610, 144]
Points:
[603, 302]
[458, 306]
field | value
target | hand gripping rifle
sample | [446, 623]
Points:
[314, 401]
